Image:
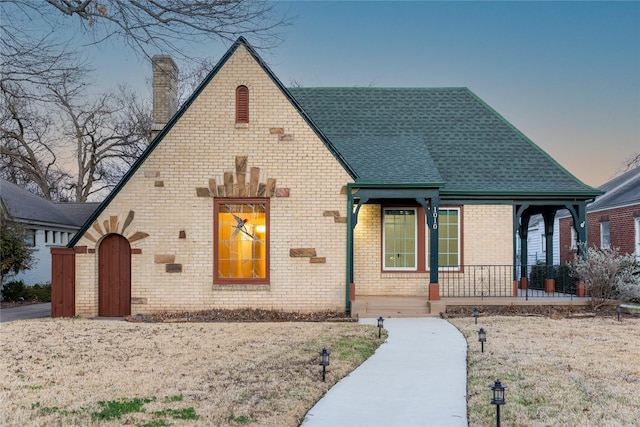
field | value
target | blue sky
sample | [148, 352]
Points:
[566, 74]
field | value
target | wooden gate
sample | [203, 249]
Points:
[63, 282]
[114, 277]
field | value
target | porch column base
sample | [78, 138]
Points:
[524, 283]
[515, 288]
[434, 292]
[581, 289]
[549, 286]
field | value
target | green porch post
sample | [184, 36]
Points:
[432, 222]
[350, 226]
[549, 217]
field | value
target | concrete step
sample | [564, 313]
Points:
[376, 306]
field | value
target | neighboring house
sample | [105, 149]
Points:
[307, 199]
[46, 223]
[613, 219]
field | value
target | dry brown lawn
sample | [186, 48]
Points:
[55, 372]
[565, 372]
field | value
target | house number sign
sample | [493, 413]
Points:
[435, 219]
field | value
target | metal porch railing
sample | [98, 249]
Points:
[472, 281]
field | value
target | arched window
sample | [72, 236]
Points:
[242, 104]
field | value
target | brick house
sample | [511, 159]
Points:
[613, 219]
[307, 199]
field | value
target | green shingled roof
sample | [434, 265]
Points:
[432, 135]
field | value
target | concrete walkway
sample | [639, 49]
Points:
[28, 311]
[417, 378]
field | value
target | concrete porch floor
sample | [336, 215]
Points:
[374, 306]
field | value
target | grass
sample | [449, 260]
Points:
[59, 372]
[565, 372]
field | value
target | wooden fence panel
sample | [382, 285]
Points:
[63, 282]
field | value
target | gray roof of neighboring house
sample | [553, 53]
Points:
[620, 191]
[23, 205]
[432, 135]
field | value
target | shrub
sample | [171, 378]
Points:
[18, 291]
[608, 275]
[14, 290]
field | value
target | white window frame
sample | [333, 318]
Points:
[605, 233]
[428, 238]
[384, 241]
[637, 222]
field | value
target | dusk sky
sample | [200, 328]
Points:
[566, 74]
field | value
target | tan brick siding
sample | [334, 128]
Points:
[487, 240]
[203, 145]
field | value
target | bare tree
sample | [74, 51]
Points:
[27, 148]
[108, 133]
[632, 162]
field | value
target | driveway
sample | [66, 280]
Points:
[29, 311]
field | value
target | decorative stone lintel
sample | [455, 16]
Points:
[173, 268]
[138, 235]
[302, 252]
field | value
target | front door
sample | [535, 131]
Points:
[114, 277]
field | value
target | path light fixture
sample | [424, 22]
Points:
[476, 313]
[497, 398]
[380, 326]
[324, 361]
[618, 311]
[482, 337]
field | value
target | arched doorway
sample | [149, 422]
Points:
[114, 277]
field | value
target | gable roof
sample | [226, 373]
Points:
[24, 206]
[427, 135]
[620, 191]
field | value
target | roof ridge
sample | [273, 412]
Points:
[634, 174]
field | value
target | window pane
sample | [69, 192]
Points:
[605, 235]
[242, 248]
[400, 239]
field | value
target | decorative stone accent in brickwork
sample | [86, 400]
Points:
[138, 300]
[182, 234]
[283, 192]
[137, 236]
[203, 192]
[276, 131]
[158, 184]
[164, 259]
[151, 174]
[136, 251]
[336, 216]
[286, 137]
[302, 252]
[173, 268]
[80, 249]
[317, 260]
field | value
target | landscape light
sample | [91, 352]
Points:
[482, 337]
[380, 322]
[476, 313]
[324, 361]
[497, 398]
[618, 311]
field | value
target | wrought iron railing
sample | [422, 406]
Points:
[472, 281]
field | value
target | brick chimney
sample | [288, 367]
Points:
[165, 91]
